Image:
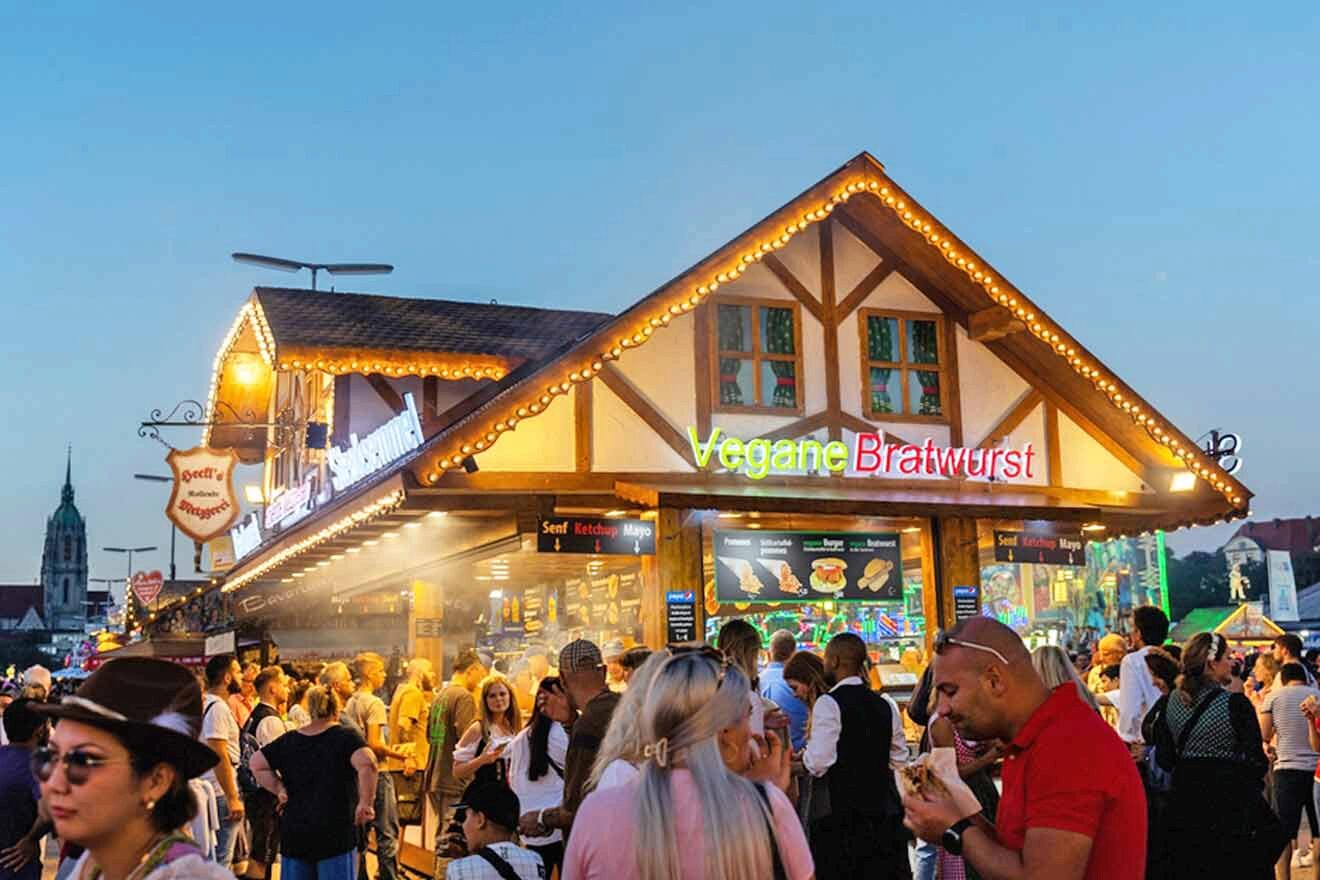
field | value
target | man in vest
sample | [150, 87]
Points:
[265, 726]
[852, 731]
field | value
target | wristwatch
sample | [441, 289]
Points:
[952, 840]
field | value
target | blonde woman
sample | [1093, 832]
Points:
[620, 751]
[688, 816]
[1054, 668]
[479, 751]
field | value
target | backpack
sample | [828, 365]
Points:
[248, 746]
[1163, 752]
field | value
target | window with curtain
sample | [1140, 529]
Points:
[904, 366]
[758, 354]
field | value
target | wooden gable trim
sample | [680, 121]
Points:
[861, 426]
[635, 401]
[701, 345]
[793, 285]
[387, 394]
[797, 429]
[1014, 416]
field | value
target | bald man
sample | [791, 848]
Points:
[1073, 807]
[852, 731]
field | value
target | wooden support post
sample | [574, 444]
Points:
[676, 566]
[958, 562]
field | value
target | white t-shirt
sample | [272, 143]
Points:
[617, 773]
[218, 722]
[543, 793]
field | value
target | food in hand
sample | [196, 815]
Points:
[876, 574]
[921, 779]
[827, 575]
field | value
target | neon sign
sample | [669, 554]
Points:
[870, 455]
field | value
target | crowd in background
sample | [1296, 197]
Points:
[746, 759]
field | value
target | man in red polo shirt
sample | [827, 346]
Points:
[1073, 807]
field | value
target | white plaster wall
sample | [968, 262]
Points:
[366, 411]
[1032, 430]
[664, 370]
[988, 388]
[1088, 465]
[621, 441]
[543, 443]
[852, 261]
[802, 257]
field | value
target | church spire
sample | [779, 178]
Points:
[66, 495]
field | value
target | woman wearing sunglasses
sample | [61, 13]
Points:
[115, 772]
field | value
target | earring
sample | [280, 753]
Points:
[150, 805]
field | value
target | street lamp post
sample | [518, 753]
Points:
[174, 530]
[128, 582]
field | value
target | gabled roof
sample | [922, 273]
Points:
[881, 214]
[16, 599]
[1299, 535]
[1235, 622]
[311, 321]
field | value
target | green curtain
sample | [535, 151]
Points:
[929, 404]
[778, 333]
[881, 346]
[882, 401]
[731, 338]
[926, 350]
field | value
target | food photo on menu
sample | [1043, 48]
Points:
[766, 566]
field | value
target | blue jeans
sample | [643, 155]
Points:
[387, 832]
[928, 855]
[338, 867]
[226, 835]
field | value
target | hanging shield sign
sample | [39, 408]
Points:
[203, 504]
[146, 586]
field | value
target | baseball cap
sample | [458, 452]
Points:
[496, 802]
[580, 655]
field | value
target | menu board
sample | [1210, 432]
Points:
[681, 616]
[764, 566]
[607, 602]
[966, 603]
[533, 610]
[1044, 549]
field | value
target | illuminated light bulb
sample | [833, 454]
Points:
[467, 450]
[655, 322]
[722, 277]
[665, 319]
[945, 244]
[522, 410]
[536, 407]
[616, 351]
[637, 338]
[647, 331]
[714, 286]
[574, 376]
[673, 310]
[490, 437]
[564, 387]
[828, 209]
[481, 444]
[512, 423]
[901, 205]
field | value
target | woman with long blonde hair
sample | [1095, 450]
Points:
[1054, 668]
[690, 815]
[478, 753]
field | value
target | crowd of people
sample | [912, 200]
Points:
[732, 761]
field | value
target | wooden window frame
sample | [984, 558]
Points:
[756, 356]
[946, 368]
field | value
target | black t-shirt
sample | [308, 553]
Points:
[317, 822]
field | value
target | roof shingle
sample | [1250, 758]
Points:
[324, 320]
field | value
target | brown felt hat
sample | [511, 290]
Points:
[147, 701]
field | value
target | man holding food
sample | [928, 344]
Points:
[1073, 806]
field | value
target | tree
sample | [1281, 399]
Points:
[1200, 580]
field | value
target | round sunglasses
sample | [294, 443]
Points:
[78, 765]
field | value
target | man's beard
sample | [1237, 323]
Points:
[830, 678]
[235, 687]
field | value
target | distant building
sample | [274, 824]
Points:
[20, 607]
[1299, 536]
[64, 563]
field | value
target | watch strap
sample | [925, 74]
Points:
[962, 825]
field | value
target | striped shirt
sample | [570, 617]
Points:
[1294, 744]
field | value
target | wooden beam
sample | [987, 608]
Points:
[343, 412]
[633, 399]
[995, 322]
[386, 393]
[793, 285]
[1008, 422]
[833, 404]
[953, 393]
[915, 276]
[1052, 444]
[861, 426]
[797, 429]
[1005, 353]
[863, 289]
[702, 342]
[582, 421]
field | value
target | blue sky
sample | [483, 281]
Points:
[1146, 174]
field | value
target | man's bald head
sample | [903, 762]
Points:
[982, 638]
[985, 681]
